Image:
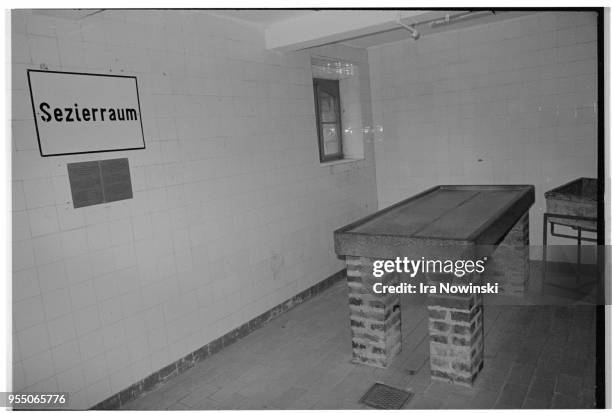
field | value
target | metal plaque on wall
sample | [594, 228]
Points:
[97, 182]
[116, 179]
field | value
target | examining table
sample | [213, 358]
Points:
[451, 221]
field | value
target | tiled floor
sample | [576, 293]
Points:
[535, 357]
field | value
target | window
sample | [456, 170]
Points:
[329, 125]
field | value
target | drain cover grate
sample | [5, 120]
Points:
[381, 396]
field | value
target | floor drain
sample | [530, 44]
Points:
[381, 396]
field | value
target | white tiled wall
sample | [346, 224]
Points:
[506, 103]
[231, 215]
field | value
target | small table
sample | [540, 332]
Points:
[572, 205]
[457, 218]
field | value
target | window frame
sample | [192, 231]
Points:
[317, 83]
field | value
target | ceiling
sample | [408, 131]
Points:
[264, 18]
[261, 17]
[424, 29]
[71, 14]
[267, 17]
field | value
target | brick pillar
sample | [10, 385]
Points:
[509, 263]
[456, 321]
[375, 318]
[456, 341]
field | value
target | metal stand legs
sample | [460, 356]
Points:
[577, 237]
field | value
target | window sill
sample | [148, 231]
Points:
[341, 161]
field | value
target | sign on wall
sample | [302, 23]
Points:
[85, 113]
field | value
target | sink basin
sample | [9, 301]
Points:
[578, 198]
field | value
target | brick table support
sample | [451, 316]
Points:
[456, 321]
[509, 264]
[456, 341]
[375, 318]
